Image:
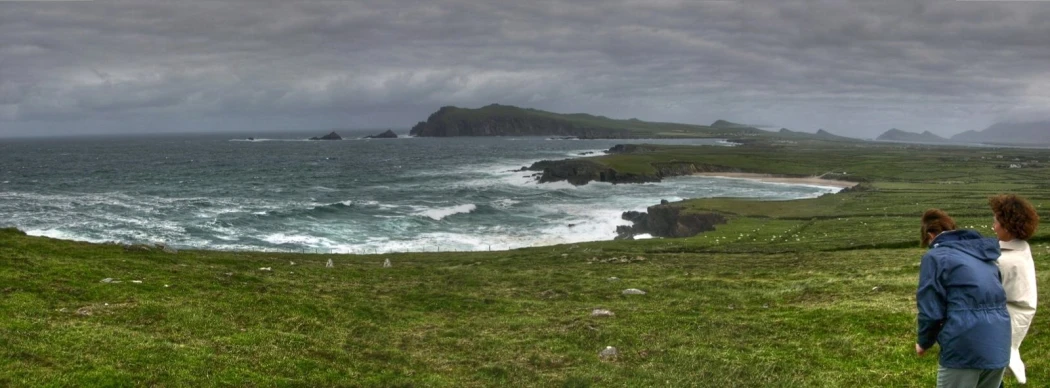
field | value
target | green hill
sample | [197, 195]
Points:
[505, 120]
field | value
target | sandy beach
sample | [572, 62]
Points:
[776, 179]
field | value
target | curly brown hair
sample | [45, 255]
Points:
[1015, 215]
[934, 221]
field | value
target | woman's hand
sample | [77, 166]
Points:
[919, 350]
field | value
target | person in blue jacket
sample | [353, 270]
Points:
[962, 305]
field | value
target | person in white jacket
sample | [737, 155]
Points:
[1015, 222]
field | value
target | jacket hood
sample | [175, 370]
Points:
[969, 242]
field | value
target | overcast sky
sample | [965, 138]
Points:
[855, 68]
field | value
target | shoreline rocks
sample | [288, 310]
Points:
[583, 171]
[667, 220]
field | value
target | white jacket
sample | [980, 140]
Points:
[1018, 271]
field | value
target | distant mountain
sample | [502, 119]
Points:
[831, 136]
[820, 135]
[729, 124]
[1009, 133]
[970, 136]
[910, 137]
[506, 120]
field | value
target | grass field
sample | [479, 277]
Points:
[814, 293]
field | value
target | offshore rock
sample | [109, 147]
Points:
[389, 134]
[330, 136]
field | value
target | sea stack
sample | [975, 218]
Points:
[389, 134]
[330, 136]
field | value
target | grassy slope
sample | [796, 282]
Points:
[792, 293]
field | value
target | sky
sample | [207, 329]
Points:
[855, 68]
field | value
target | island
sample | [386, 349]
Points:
[389, 134]
[330, 136]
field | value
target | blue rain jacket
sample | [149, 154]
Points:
[962, 305]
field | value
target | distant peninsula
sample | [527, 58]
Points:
[506, 120]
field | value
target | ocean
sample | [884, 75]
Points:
[283, 193]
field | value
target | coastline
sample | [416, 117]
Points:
[812, 180]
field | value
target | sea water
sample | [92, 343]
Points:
[283, 193]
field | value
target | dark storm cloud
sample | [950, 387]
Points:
[856, 67]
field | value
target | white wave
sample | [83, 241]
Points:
[374, 203]
[643, 236]
[440, 213]
[212, 213]
[589, 153]
[504, 203]
[62, 234]
[297, 239]
[587, 226]
[102, 234]
[778, 186]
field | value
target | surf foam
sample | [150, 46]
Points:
[439, 214]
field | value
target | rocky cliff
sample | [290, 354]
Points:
[668, 220]
[583, 171]
[580, 172]
[631, 148]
